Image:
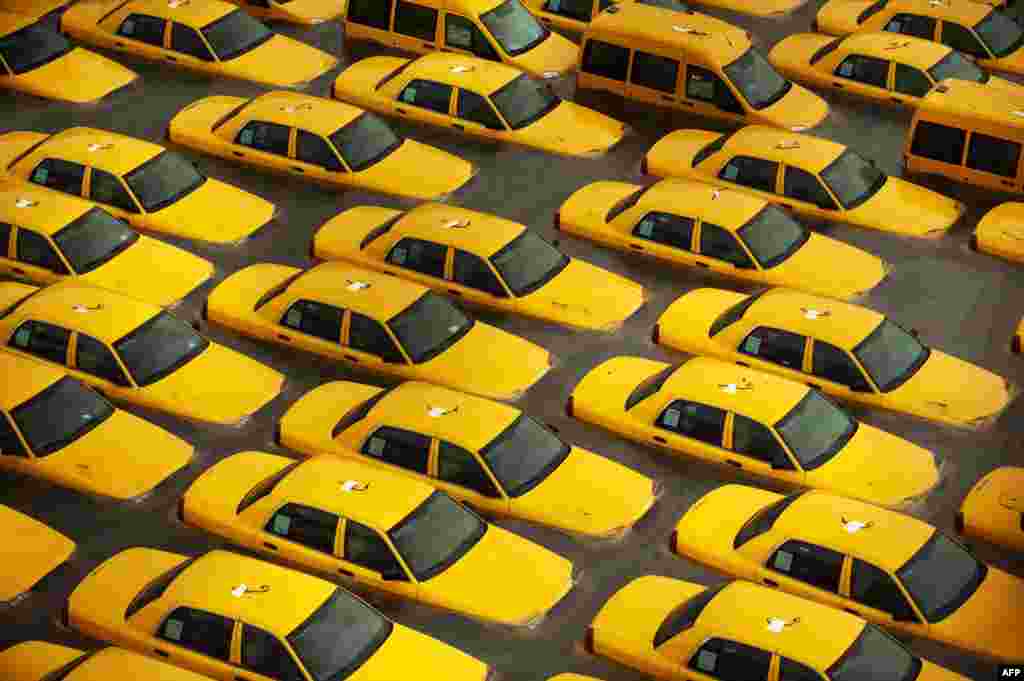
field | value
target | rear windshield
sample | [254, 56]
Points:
[649, 386]
[733, 314]
[825, 49]
[763, 520]
[685, 614]
[626, 203]
[712, 148]
[339, 637]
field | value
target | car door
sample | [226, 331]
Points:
[721, 659]
[371, 560]
[315, 157]
[654, 78]
[476, 115]
[265, 144]
[917, 25]
[723, 253]
[368, 344]
[415, 27]
[369, 20]
[603, 66]
[474, 280]
[198, 640]
[760, 450]
[296, 531]
[427, 101]
[463, 36]
[755, 175]
[264, 654]
[706, 94]
[36, 258]
[459, 472]
[96, 363]
[59, 175]
[876, 596]
[44, 341]
[936, 148]
[774, 350]
[420, 260]
[312, 326]
[806, 569]
[141, 34]
[189, 48]
[993, 162]
[863, 75]
[694, 428]
[835, 372]
[804, 192]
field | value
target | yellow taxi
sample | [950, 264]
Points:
[756, 422]
[39, 61]
[380, 529]
[54, 427]
[728, 232]
[489, 455]
[326, 141]
[133, 351]
[148, 186]
[34, 552]
[845, 350]
[978, 29]
[494, 263]
[228, 616]
[302, 12]
[993, 510]
[1000, 232]
[674, 630]
[378, 323]
[573, 16]
[47, 237]
[209, 36]
[889, 568]
[478, 98]
[813, 176]
[881, 67]
[39, 661]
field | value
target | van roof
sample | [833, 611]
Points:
[975, 101]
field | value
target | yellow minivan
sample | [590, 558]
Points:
[694, 63]
[498, 30]
[962, 132]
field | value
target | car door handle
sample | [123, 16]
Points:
[283, 337]
[429, 45]
[838, 85]
[161, 653]
[268, 545]
[17, 270]
[454, 292]
[734, 462]
[298, 169]
[636, 247]
[458, 126]
[352, 358]
[704, 265]
[769, 582]
[661, 440]
[668, 98]
[170, 58]
[813, 385]
[401, 111]
[238, 154]
[118, 43]
[347, 573]
[743, 364]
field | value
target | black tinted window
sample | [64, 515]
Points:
[34, 249]
[528, 262]
[993, 155]
[375, 13]
[429, 326]
[867, 70]
[59, 415]
[368, 335]
[143, 28]
[698, 421]
[731, 661]
[31, 47]
[42, 340]
[775, 345]
[464, 35]
[873, 587]
[814, 565]
[186, 40]
[436, 535]
[664, 228]
[910, 81]
[755, 440]
[427, 94]
[580, 10]
[938, 142]
[755, 173]
[875, 656]
[790, 670]
[310, 527]
[473, 107]
[471, 270]
[962, 39]
[316, 319]
[704, 86]
[203, 632]
[310, 148]
[605, 60]
[833, 364]
[10, 445]
[398, 447]
[365, 141]
[523, 455]
[416, 21]
[912, 24]
[459, 467]
[264, 654]
[421, 256]
[366, 548]
[105, 188]
[803, 186]
[96, 358]
[61, 175]
[269, 137]
[685, 614]
[655, 72]
[716, 242]
[733, 314]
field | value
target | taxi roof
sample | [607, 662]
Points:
[481, 75]
[11, 22]
[701, 34]
[724, 206]
[101, 313]
[470, 421]
[905, 49]
[974, 101]
[742, 612]
[844, 324]
[810, 153]
[332, 282]
[194, 13]
[208, 583]
[889, 540]
[480, 233]
[24, 379]
[315, 114]
[968, 11]
[387, 499]
[27, 205]
[123, 154]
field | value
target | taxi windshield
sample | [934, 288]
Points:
[31, 47]
[524, 101]
[816, 429]
[773, 236]
[757, 80]
[429, 326]
[875, 656]
[365, 141]
[513, 27]
[59, 415]
[162, 180]
[523, 455]
[941, 576]
[852, 179]
[436, 535]
[956, 65]
[94, 239]
[891, 355]
[528, 262]
[159, 347]
[339, 637]
[234, 34]
[1001, 34]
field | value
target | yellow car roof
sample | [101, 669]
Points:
[386, 500]
[480, 233]
[107, 316]
[700, 34]
[905, 49]
[742, 612]
[27, 205]
[889, 541]
[24, 379]
[11, 22]
[966, 11]
[316, 114]
[845, 325]
[973, 100]
[115, 153]
[471, 421]
[725, 207]
[705, 379]
[806, 151]
[332, 282]
[194, 13]
[212, 580]
[463, 71]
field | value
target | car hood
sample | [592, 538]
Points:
[991, 620]
[215, 212]
[99, 461]
[79, 76]
[839, 17]
[153, 271]
[33, 552]
[576, 130]
[586, 296]
[501, 557]
[792, 54]
[908, 209]
[809, 270]
[556, 55]
[401, 172]
[799, 109]
[391, 661]
[281, 61]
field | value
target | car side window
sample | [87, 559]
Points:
[366, 548]
[471, 270]
[605, 60]
[372, 13]
[463, 34]
[716, 242]
[459, 467]
[876, 589]
[755, 173]
[910, 81]
[269, 137]
[105, 188]
[791, 670]
[144, 28]
[472, 107]
[664, 228]
[654, 72]
[705, 86]
[961, 38]
[315, 150]
[311, 527]
[868, 70]
[315, 319]
[203, 632]
[993, 155]
[61, 175]
[186, 40]
[811, 564]
[425, 257]
[264, 654]
[402, 448]
[938, 142]
[694, 420]
[834, 364]
[731, 661]
[42, 340]
[580, 10]
[803, 186]
[916, 25]
[10, 445]
[427, 94]
[5, 239]
[776, 346]
[34, 249]
[368, 335]
[416, 21]
[93, 357]
[755, 440]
